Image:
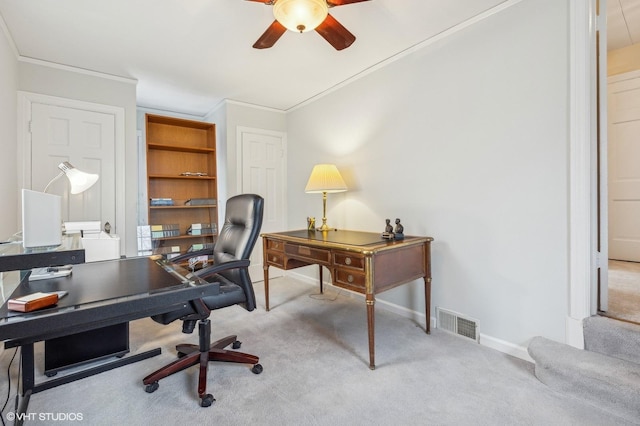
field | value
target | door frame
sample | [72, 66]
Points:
[583, 173]
[25, 101]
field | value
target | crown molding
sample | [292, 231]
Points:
[77, 70]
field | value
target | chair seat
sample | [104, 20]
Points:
[230, 294]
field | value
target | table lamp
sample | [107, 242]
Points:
[325, 178]
[41, 212]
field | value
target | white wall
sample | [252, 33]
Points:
[466, 141]
[66, 83]
[228, 118]
[9, 190]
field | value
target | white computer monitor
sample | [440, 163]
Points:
[41, 219]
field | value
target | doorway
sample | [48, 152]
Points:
[621, 175]
[53, 129]
[623, 204]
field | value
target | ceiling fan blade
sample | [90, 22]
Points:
[269, 38]
[337, 35]
[333, 3]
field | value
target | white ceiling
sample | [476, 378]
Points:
[189, 55]
[623, 23]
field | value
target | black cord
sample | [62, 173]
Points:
[6, 401]
[19, 381]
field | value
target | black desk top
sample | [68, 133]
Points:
[103, 292]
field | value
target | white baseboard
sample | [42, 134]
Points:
[574, 332]
[485, 340]
[505, 347]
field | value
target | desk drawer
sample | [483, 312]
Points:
[310, 254]
[349, 279]
[351, 260]
[275, 259]
[275, 245]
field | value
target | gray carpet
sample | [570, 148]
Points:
[315, 358]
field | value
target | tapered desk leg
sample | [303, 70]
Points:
[427, 302]
[371, 318]
[266, 285]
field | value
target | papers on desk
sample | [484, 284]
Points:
[48, 273]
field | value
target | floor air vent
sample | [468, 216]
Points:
[455, 323]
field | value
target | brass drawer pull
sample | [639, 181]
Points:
[350, 278]
[347, 261]
[274, 259]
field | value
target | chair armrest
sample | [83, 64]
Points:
[187, 256]
[216, 269]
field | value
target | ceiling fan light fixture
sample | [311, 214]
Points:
[300, 15]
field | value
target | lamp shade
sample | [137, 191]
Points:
[300, 15]
[325, 178]
[80, 181]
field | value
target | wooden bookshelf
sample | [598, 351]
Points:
[181, 165]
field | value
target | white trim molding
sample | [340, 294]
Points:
[582, 159]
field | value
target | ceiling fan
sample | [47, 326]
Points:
[306, 15]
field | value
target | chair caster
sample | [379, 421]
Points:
[207, 400]
[152, 387]
[256, 369]
[181, 354]
[236, 344]
[50, 373]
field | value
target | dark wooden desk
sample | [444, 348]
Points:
[101, 294]
[363, 262]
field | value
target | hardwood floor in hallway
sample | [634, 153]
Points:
[624, 291]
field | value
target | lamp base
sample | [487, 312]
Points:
[326, 228]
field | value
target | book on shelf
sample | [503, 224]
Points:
[196, 247]
[202, 229]
[161, 202]
[168, 250]
[164, 231]
[200, 202]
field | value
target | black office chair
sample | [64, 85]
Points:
[231, 251]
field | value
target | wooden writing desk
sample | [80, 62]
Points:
[363, 262]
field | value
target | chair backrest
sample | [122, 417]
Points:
[238, 234]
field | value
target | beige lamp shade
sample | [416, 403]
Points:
[325, 178]
[300, 15]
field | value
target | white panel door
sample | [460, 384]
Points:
[624, 170]
[263, 171]
[86, 139]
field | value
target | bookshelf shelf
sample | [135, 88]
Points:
[176, 146]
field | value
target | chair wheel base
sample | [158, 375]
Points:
[256, 369]
[236, 344]
[207, 400]
[152, 387]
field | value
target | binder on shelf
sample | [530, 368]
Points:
[200, 202]
[202, 229]
[164, 231]
[161, 202]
